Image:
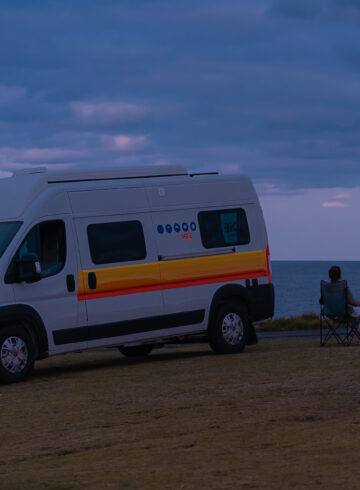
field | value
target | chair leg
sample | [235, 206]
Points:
[332, 331]
[353, 331]
[321, 332]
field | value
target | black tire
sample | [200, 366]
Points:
[136, 351]
[229, 332]
[17, 354]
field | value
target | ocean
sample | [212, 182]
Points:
[297, 284]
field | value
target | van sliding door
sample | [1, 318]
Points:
[119, 278]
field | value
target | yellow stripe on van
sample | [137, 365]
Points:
[170, 274]
[114, 281]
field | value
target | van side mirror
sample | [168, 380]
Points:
[29, 268]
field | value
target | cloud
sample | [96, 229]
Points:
[267, 189]
[352, 4]
[262, 87]
[230, 168]
[125, 144]
[333, 204]
[13, 158]
[344, 197]
[300, 9]
[327, 11]
[40, 155]
[102, 114]
[4, 174]
[10, 94]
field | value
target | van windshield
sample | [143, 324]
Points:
[8, 230]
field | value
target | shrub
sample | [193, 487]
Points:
[307, 321]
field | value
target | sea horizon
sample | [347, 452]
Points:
[297, 284]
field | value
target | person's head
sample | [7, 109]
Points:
[334, 273]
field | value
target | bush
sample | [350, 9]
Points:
[307, 321]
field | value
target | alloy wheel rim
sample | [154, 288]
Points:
[14, 354]
[232, 328]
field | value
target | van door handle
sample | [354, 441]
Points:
[92, 280]
[70, 283]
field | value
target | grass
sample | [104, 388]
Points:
[307, 321]
[282, 414]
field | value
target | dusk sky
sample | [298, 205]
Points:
[269, 88]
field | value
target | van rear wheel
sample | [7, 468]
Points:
[16, 354]
[229, 331]
[136, 351]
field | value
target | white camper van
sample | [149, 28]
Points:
[132, 257]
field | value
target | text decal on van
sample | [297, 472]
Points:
[229, 227]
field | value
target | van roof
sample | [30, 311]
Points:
[18, 191]
[104, 174]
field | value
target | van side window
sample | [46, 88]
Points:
[47, 240]
[223, 228]
[116, 242]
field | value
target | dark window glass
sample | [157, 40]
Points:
[47, 241]
[116, 242]
[223, 228]
[52, 245]
[7, 233]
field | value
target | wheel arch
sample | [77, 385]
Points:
[31, 321]
[229, 292]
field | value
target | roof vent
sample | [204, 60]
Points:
[29, 171]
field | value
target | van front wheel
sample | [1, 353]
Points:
[136, 350]
[229, 332]
[16, 354]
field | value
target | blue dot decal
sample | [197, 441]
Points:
[177, 227]
[185, 226]
[160, 229]
[169, 228]
[193, 226]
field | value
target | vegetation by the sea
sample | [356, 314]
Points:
[308, 321]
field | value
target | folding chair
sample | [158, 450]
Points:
[334, 319]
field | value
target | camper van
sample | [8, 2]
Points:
[130, 258]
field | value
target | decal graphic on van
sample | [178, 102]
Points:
[172, 274]
[185, 227]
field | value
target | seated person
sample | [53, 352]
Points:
[353, 304]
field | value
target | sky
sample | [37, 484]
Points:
[269, 88]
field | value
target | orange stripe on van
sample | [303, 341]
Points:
[172, 274]
[268, 263]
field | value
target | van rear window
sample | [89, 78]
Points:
[116, 242]
[223, 228]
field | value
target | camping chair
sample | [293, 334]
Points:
[334, 319]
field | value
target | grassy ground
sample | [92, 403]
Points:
[282, 414]
[308, 321]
